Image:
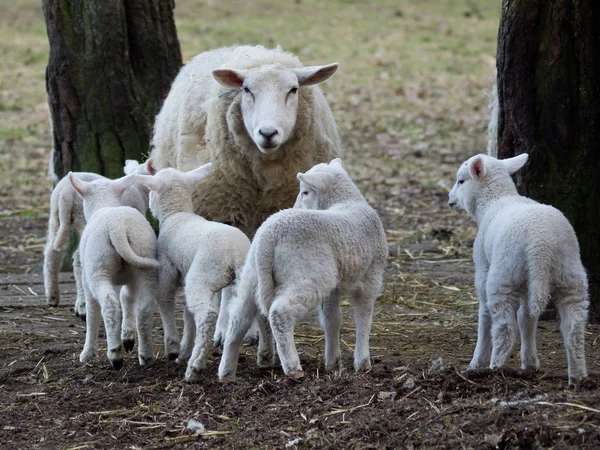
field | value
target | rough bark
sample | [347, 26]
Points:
[111, 64]
[549, 96]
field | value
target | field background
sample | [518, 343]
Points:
[411, 101]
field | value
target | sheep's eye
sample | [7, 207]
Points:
[246, 90]
[304, 193]
[461, 181]
[294, 90]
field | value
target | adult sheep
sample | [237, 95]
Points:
[258, 116]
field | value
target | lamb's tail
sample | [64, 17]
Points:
[63, 212]
[120, 242]
[265, 290]
[538, 287]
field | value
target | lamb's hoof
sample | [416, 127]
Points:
[146, 360]
[251, 340]
[81, 316]
[117, 363]
[182, 359]
[296, 374]
[192, 375]
[363, 366]
[218, 342]
[172, 356]
[227, 378]
[265, 361]
[86, 356]
[52, 300]
[128, 344]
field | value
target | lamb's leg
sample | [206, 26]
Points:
[198, 298]
[330, 316]
[223, 319]
[265, 354]
[527, 328]
[573, 310]
[483, 349]
[189, 334]
[128, 327]
[363, 318]
[80, 307]
[111, 313]
[168, 280]
[503, 311]
[145, 284]
[92, 325]
[242, 311]
[285, 310]
[51, 269]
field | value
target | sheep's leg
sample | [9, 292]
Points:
[573, 311]
[483, 349]
[111, 313]
[284, 312]
[265, 354]
[51, 269]
[144, 288]
[92, 325]
[528, 327]
[80, 307]
[189, 334]
[363, 318]
[199, 302]
[330, 316]
[223, 319]
[503, 311]
[128, 327]
[242, 311]
[168, 280]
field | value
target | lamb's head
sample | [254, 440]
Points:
[171, 190]
[100, 193]
[325, 185]
[269, 103]
[132, 165]
[483, 175]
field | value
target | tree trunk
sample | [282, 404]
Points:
[549, 97]
[111, 65]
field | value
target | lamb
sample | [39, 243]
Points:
[331, 244]
[204, 256]
[117, 247]
[258, 116]
[524, 254]
[66, 212]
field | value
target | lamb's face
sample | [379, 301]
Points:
[270, 98]
[457, 199]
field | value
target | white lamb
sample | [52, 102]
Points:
[66, 212]
[117, 247]
[259, 117]
[524, 254]
[204, 256]
[331, 244]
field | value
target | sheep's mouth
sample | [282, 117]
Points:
[268, 148]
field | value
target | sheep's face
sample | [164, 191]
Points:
[479, 173]
[270, 97]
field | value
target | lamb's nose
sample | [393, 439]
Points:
[452, 204]
[268, 133]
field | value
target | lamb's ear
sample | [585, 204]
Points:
[150, 182]
[130, 166]
[315, 74]
[80, 186]
[314, 180]
[150, 167]
[197, 175]
[515, 163]
[229, 77]
[337, 162]
[477, 167]
[119, 185]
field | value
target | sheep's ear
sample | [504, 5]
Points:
[315, 74]
[197, 175]
[119, 185]
[80, 186]
[477, 168]
[131, 166]
[229, 78]
[314, 180]
[150, 182]
[337, 162]
[514, 164]
[150, 167]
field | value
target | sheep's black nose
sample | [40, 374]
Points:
[452, 204]
[268, 133]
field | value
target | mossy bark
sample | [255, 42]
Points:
[549, 96]
[111, 64]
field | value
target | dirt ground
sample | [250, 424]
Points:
[411, 107]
